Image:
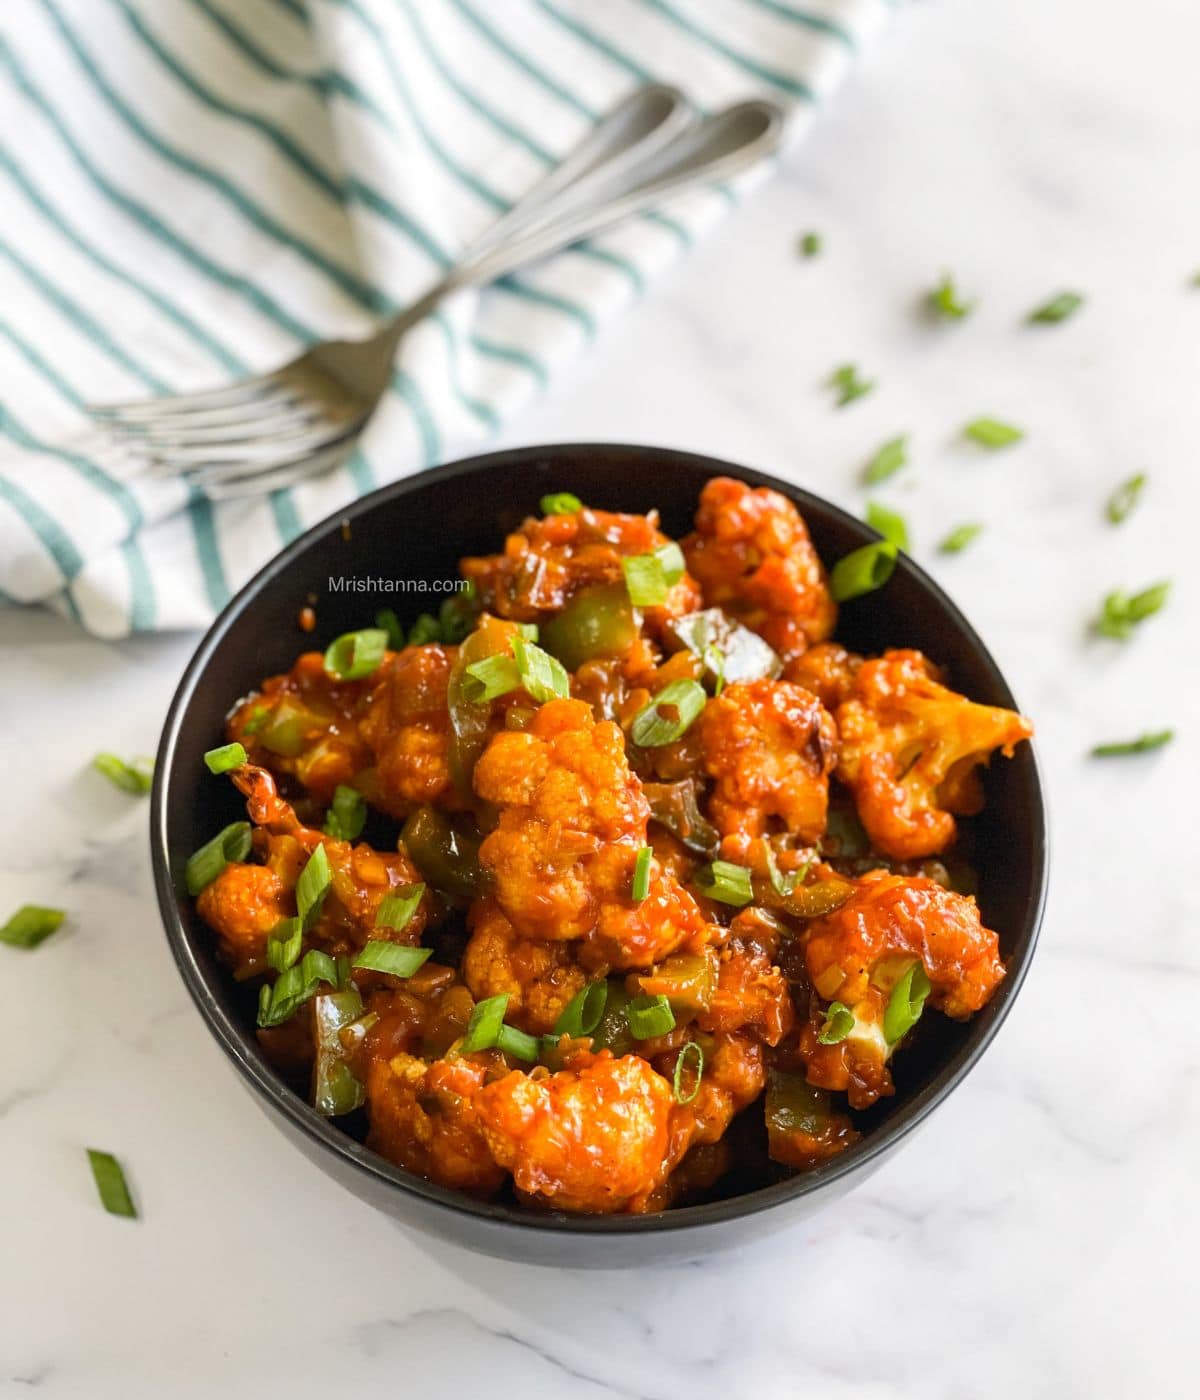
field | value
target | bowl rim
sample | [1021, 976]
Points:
[324, 1133]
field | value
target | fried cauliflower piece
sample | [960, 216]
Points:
[828, 670]
[629, 935]
[589, 1140]
[404, 720]
[425, 1118]
[538, 977]
[771, 746]
[909, 751]
[751, 555]
[242, 905]
[751, 995]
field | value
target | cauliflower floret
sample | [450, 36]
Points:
[752, 556]
[629, 935]
[771, 746]
[242, 905]
[828, 670]
[909, 750]
[404, 719]
[538, 977]
[589, 1139]
[752, 994]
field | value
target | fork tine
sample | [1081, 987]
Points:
[159, 440]
[249, 415]
[203, 464]
[244, 392]
[256, 483]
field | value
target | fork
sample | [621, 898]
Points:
[278, 428]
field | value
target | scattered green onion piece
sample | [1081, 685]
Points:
[863, 570]
[641, 875]
[1124, 498]
[1057, 309]
[945, 301]
[991, 433]
[849, 386]
[258, 717]
[356, 654]
[135, 777]
[490, 677]
[111, 1184]
[426, 629]
[387, 621]
[725, 882]
[483, 1029]
[203, 867]
[397, 908]
[887, 461]
[810, 244]
[905, 1004]
[1121, 613]
[312, 886]
[347, 814]
[518, 1044]
[890, 523]
[650, 1017]
[649, 578]
[839, 1022]
[669, 714]
[681, 1059]
[543, 676]
[30, 925]
[1144, 743]
[395, 959]
[297, 985]
[528, 630]
[284, 943]
[782, 884]
[561, 503]
[584, 1012]
[714, 660]
[221, 760]
[961, 536]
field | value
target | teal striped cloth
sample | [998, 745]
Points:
[192, 190]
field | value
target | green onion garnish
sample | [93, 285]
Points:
[1057, 308]
[484, 1026]
[782, 884]
[231, 845]
[347, 814]
[890, 523]
[426, 629]
[397, 908]
[490, 677]
[30, 925]
[887, 461]
[111, 1183]
[862, 570]
[395, 959]
[561, 503]
[839, 1022]
[584, 1012]
[650, 577]
[677, 1082]
[906, 1003]
[387, 621]
[1122, 613]
[991, 433]
[1144, 743]
[297, 985]
[528, 630]
[810, 245]
[258, 717]
[945, 301]
[725, 882]
[134, 777]
[312, 885]
[714, 660]
[669, 714]
[961, 536]
[848, 385]
[283, 944]
[222, 759]
[518, 1044]
[1124, 498]
[641, 875]
[543, 676]
[650, 1017]
[356, 654]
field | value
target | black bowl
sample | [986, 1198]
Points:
[418, 529]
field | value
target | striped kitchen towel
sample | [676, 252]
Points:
[192, 190]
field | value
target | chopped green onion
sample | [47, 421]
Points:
[528, 630]
[991, 433]
[490, 677]
[312, 886]
[890, 523]
[426, 629]
[961, 536]
[677, 1081]
[483, 1028]
[714, 661]
[1057, 308]
[584, 1012]
[782, 884]
[863, 570]
[848, 385]
[810, 245]
[905, 1004]
[1124, 498]
[518, 1044]
[231, 845]
[283, 944]
[111, 1184]
[258, 717]
[1122, 613]
[387, 621]
[396, 959]
[641, 875]
[887, 461]
[543, 676]
[296, 985]
[347, 814]
[356, 654]
[669, 714]
[135, 777]
[30, 925]
[222, 759]
[725, 882]
[649, 578]
[650, 1017]
[1144, 743]
[561, 503]
[945, 301]
[397, 908]
[839, 1022]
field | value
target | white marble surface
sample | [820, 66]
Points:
[1039, 1237]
